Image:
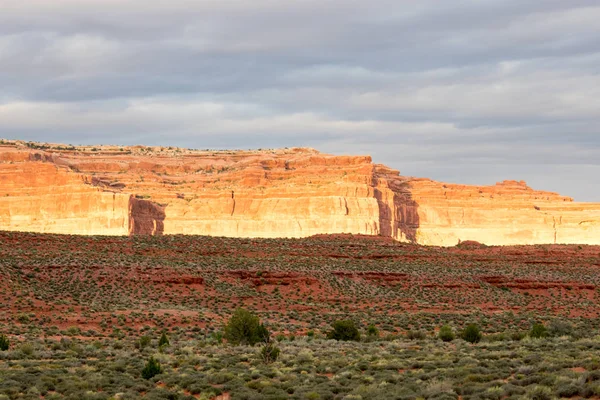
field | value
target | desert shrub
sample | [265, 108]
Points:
[23, 318]
[568, 390]
[471, 334]
[558, 327]
[73, 331]
[376, 392]
[161, 394]
[512, 390]
[446, 333]
[540, 393]
[220, 378]
[436, 388]
[517, 336]
[27, 349]
[416, 335]
[4, 343]
[497, 337]
[269, 353]
[305, 356]
[217, 336]
[372, 331]
[280, 337]
[344, 330]
[538, 331]
[245, 328]
[494, 393]
[164, 340]
[151, 369]
[144, 341]
[590, 391]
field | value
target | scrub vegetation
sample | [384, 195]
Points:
[330, 317]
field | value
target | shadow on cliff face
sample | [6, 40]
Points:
[398, 211]
[146, 217]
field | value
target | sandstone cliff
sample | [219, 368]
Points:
[273, 193]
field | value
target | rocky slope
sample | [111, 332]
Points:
[296, 192]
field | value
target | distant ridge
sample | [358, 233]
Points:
[292, 192]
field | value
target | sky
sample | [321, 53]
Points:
[466, 91]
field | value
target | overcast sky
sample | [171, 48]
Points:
[472, 91]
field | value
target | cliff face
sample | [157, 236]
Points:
[39, 197]
[273, 193]
[507, 213]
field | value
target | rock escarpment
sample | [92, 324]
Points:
[505, 214]
[42, 197]
[297, 192]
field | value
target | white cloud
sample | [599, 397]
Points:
[426, 86]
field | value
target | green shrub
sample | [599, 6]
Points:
[494, 393]
[269, 353]
[151, 369]
[73, 331]
[217, 336]
[568, 390]
[23, 318]
[436, 388]
[27, 349]
[280, 337]
[559, 327]
[245, 328]
[446, 333]
[497, 337]
[344, 330]
[471, 334]
[372, 331]
[540, 393]
[4, 343]
[538, 331]
[145, 341]
[164, 340]
[416, 335]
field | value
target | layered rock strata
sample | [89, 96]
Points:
[298, 192]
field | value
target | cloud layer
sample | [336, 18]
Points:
[466, 91]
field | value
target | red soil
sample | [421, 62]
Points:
[195, 281]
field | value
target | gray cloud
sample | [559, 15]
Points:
[467, 91]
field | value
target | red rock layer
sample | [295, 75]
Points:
[42, 197]
[271, 193]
